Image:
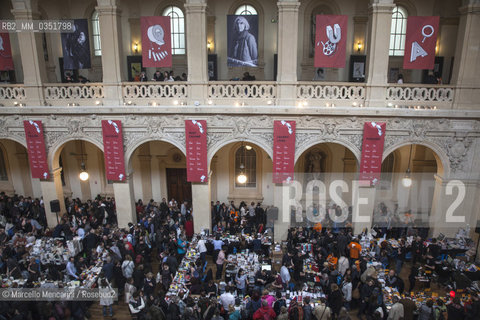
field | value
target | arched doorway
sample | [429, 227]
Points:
[159, 171]
[406, 190]
[15, 175]
[234, 159]
[332, 164]
[69, 158]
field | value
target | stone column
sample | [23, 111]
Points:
[163, 177]
[112, 58]
[282, 223]
[196, 24]
[146, 167]
[201, 206]
[379, 22]
[287, 51]
[53, 190]
[125, 202]
[31, 52]
[467, 60]
[22, 158]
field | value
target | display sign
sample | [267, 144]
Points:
[36, 149]
[76, 46]
[156, 41]
[6, 61]
[283, 151]
[113, 150]
[420, 42]
[372, 151]
[196, 145]
[330, 41]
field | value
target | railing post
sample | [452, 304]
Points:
[31, 52]
[380, 19]
[466, 67]
[287, 51]
[111, 39]
[196, 23]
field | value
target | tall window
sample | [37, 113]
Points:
[97, 45]
[3, 167]
[387, 172]
[177, 26]
[248, 160]
[398, 31]
[245, 10]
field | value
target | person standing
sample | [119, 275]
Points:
[220, 261]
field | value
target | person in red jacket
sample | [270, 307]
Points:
[189, 228]
[265, 312]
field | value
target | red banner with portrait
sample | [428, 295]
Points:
[196, 144]
[113, 150]
[283, 151]
[330, 41]
[372, 151]
[156, 42]
[37, 155]
[420, 42]
[6, 61]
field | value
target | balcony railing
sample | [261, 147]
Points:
[12, 94]
[155, 93]
[242, 92]
[438, 96]
[323, 94]
[254, 93]
[68, 93]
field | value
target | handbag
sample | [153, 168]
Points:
[356, 293]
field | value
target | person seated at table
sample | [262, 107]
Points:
[218, 228]
[391, 280]
[210, 288]
[257, 245]
[278, 283]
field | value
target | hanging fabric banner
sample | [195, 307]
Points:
[6, 61]
[372, 151]
[420, 42]
[76, 47]
[113, 150]
[36, 149]
[156, 42]
[242, 35]
[196, 144]
[330, 41]
[283, 151]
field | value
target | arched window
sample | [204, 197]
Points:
[398, 31]
[245, 10]
[3, 167]
[246, 163]
[387, 171]
[177, 26]
[97, 44]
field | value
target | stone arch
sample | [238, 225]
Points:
[314, 141]
[162, 6]
[56, 149]
[18, 139]
[137, 143]
[408, 5]
[443, 164]
[212, 150]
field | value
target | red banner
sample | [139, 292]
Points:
[330, 41]
[283, 151]
[156, 42]
[36, 149]
[113, 150]
[196, 143]
[420, 42]
[372, 151]
[6, 61]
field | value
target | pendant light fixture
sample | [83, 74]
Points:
[242, 178]
[83, 172]
[407, 180]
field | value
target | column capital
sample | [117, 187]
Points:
[195, 8]
[288, 5]
[108, 10]
[360, 19]
[470, 7]
[381, 6]
[144, 157]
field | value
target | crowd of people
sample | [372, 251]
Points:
[141, 262]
